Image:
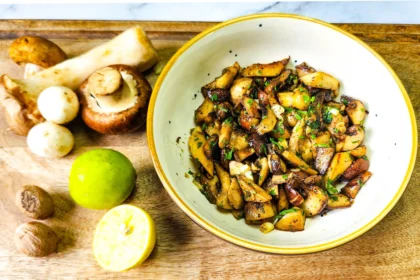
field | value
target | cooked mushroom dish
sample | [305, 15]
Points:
[274, 145]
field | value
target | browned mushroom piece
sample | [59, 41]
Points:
[35, 54]
[114, 99]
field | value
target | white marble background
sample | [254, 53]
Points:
[338, 12]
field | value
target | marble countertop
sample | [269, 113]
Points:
[337, 12]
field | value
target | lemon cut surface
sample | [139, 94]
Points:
[124, 238]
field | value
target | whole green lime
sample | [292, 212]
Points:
[101, 179]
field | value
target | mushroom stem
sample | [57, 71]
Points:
[31, 69]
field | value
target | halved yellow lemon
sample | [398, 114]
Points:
[124, 238]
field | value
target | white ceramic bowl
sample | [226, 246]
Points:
[391, 128]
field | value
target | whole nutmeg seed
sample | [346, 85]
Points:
[34, 202]
[35, 239]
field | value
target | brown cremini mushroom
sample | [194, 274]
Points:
[35, 202]
[114, 99]
[35, 54]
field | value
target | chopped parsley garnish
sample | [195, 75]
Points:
[259, 72]
[213, 97]
[345, 102]
[250, 101]
[360, 182]
[298, 117]
[302, 137]
[199, 144]
[264, 149]
[354, 142]
[326, 145]
[266, 83]
[228, 120]
[335, 130]
[314, 124]
[228, 155]
[272, 192]
[365, 157]
[276, 143]
[204, 126]
[327, 117]
[285, 176]
[330, 188]
[284, 213]
[190, 172]
[334, 197]
[313, 136]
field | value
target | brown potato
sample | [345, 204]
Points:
[265, 70]
[235, 196]
[358, 167]
[268, 121]
[282, 202]
[221, 194]
[205, 113]
[238, 89]
[337, 201]
[196, 144]
[298, 162]
[258, 210]
[292, 221]
[315, 201]
[352, 188]
[225, 133]
[252, 192]
[323, 159]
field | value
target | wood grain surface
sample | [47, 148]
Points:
[391, 250]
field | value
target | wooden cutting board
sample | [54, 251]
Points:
[390, 250]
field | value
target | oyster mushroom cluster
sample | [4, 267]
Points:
[113, 94]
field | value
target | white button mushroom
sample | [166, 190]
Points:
[58, 104]
[50, 140]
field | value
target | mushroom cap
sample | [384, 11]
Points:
[117, 122]
[36, 50]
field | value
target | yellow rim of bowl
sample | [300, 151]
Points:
[245, 243]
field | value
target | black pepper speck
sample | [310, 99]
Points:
[295, 61]
[169, 122]
[208, 74]
[260, 25]
[230, 51]
[236, 55]
[395, 144]
[376, 115]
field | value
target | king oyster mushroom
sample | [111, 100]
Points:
[114, 99]
[35, 54]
